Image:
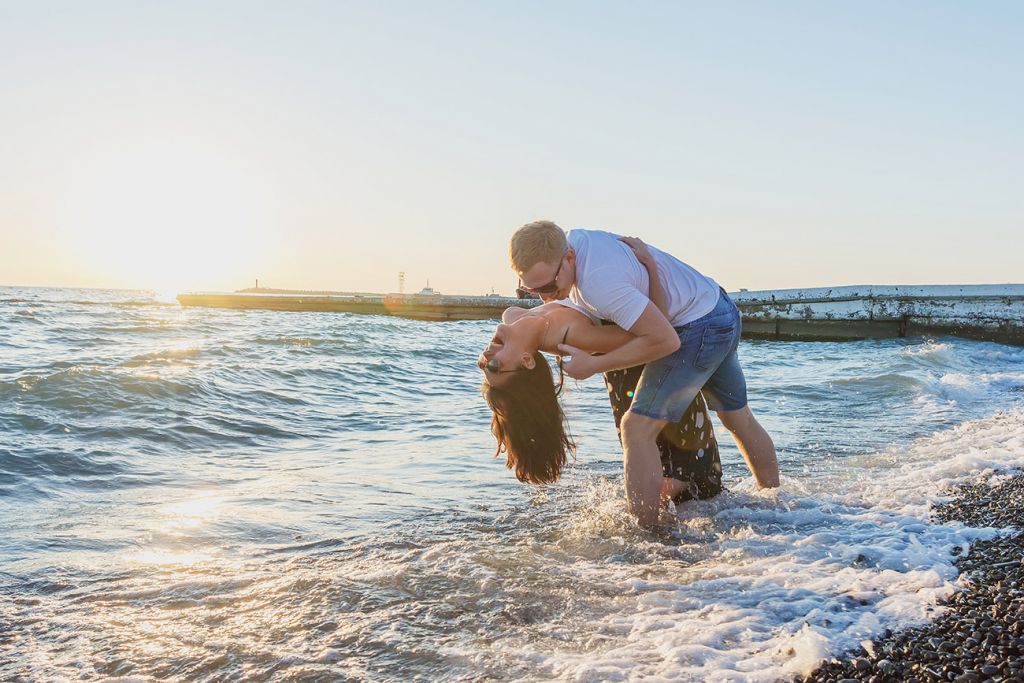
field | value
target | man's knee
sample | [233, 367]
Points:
[640, 428]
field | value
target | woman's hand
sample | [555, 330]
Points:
[581, 365]
[655, 290]
[643, 254]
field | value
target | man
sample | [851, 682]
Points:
[692, 348]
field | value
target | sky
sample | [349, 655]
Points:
[331, 145]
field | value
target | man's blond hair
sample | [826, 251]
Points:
[536, 242]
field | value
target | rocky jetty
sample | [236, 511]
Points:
[980, 636]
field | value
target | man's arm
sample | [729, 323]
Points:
[653, 338]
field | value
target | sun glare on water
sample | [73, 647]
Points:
[191, 513]
[172, 528]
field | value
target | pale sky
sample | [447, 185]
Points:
[198, 146]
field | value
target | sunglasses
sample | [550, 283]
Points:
[552, 286]
[494, 365]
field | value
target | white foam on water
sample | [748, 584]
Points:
[765, 585]
[947, 353]
[951, 374]
[1002, 354]
[943, 392]
[931, 351]
[977, 384]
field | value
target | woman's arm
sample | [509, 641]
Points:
[596, 338]
[582, 331]
[656, 293]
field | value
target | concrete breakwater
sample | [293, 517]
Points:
[419, 306]
[989, 312]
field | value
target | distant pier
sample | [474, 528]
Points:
[418, 306]
[988, 312]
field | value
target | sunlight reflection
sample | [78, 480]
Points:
[192, 513]
[168, 557]
[167, 296]
[170, 362]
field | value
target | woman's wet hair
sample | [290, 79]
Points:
[529, 424]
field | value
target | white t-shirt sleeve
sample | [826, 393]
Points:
[614, 297]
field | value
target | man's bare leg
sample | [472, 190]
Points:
[754, 443]
[642, 467]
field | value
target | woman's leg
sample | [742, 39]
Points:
[689, 450]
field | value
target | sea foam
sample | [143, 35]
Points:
[787, 579]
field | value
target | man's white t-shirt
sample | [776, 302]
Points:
[612, 283]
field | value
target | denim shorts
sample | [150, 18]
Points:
[706, 360]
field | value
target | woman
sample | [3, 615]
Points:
[528, 421]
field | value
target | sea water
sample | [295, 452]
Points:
[251, 495]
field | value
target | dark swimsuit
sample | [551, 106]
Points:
[689, 450]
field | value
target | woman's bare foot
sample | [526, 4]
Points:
[669, 489]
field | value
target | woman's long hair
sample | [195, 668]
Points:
[529, 425]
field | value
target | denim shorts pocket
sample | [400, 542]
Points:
[715, 344]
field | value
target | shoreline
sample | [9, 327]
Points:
[980, 636]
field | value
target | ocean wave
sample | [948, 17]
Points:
[931, 351]
[889, 381]
[186, 356]
[145, 303]
[75, 465]
[114, 303]
[361, 526]
[136, 327]
[963, 385]
[310, 341]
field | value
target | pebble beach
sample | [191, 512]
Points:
[980, 636]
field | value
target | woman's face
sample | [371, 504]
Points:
[509, 351]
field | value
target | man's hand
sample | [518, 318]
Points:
[581, 366]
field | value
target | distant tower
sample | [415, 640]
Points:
[401, 282]
[257, 283]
